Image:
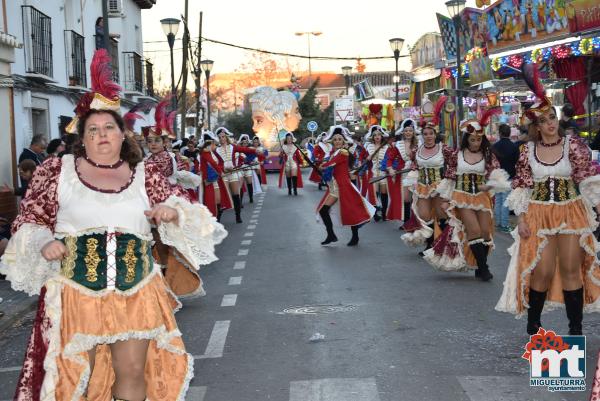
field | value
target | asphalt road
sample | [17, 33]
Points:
[391, 327]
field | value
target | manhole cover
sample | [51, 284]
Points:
[317, 309]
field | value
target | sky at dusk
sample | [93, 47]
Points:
[349, 29]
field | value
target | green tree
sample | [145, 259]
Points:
[310, 110]
[239, 123]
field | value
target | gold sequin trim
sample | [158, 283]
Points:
[145, 258]
[92, 260]
[68, 264]
[130, 260]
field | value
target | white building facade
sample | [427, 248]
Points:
[51, 69]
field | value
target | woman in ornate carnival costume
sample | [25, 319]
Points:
[405, 149]
[428, 165]
[554, 256]
[472, 176]
[377, 146]
[247, 163]
[291, 160]
[227, 152]
[105, 325]
[352, 209]
[262, 155]
[215, 194]
[320, 154]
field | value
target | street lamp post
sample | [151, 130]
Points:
[396, 45]
[308, 35]
[170, 27]
[347, 70]
[207, 66]
[455, 7]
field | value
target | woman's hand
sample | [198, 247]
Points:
[524, 230]
[485, 187]
[54, 250]
[162, 214]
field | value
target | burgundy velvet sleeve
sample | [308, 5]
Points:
[580, 158]
[523, 177]
[40, 204]
[451, 162]
[158, 187]
[491, 165]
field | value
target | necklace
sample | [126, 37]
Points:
[430, 147]
[107, 166]
[549, 145]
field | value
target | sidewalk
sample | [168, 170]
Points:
[14, 305]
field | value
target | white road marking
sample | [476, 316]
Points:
[253, 221]
[251, 226]
[243, 252]
[216, 342]
[196, 394]
[247, 242]
[249, 234]
[239, 265]
[505, 388]
[235, 280]
[334, 390]
[229, 300]
[11, 369]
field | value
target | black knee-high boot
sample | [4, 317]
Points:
[237, 206]
[480, 251]
[250, 192]
[534, 313]
[354, 240]
[295, 185]
[219, 212]
[324, 213]
[241, 198]
[384, 206]
[429, 241]
[574, 306]
[442, 223]
[406, 211]
[288, 180]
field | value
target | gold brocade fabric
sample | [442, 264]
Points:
[429, 176]
[554, 190]
[469, 183]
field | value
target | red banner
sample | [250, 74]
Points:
[584, 15]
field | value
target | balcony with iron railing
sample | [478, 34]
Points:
[113, 52]
[75, 58]
[134, 80]
[149, 79]
[37, 37]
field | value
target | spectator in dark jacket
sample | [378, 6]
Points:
[34, 152]
[566, 120]
[507, 153]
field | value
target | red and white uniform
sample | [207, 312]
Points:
[377, 153]
[320, 153]
[228, 160]
[209, 161]
[353, 209]
[395, 160]
[292, 160]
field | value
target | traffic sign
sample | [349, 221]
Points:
[344, 109]
[312, 126]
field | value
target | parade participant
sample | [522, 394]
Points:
[352, 209]
[248, 174]
[262, 155]
[392, 163]
[428, 165]
[407, 147]
[291, 160]
[553, 259]
[82, 242]
[320, 154]
[215, 195]
[376, 146]
[472, 176]
[227, 153]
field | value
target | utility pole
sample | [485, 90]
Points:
[106, 31]
[198, 75]
[184, 70]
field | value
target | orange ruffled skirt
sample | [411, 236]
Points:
[545, 219]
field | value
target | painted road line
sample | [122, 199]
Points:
[239, 265]
[229, 300]
[11, 369]
[249, 234]
[505, 388]
[196, 394]
[243, 252]
[237, 280]
[254, 221]
[247, 242]
[251, 227]
[216, 342]
[334, 390]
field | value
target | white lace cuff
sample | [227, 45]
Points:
[23, 263]
[499, 181]
[196, 233]
[188, 180]
[410, 179]
[590, 189]
[445, 188]
[518, 200]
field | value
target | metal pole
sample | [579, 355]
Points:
[105, 30]
[171, 39]
[184, 71]
[397, 77]
[198, 76]
[208, 98]
[459, 96]
[309, 63]
[347, 81]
